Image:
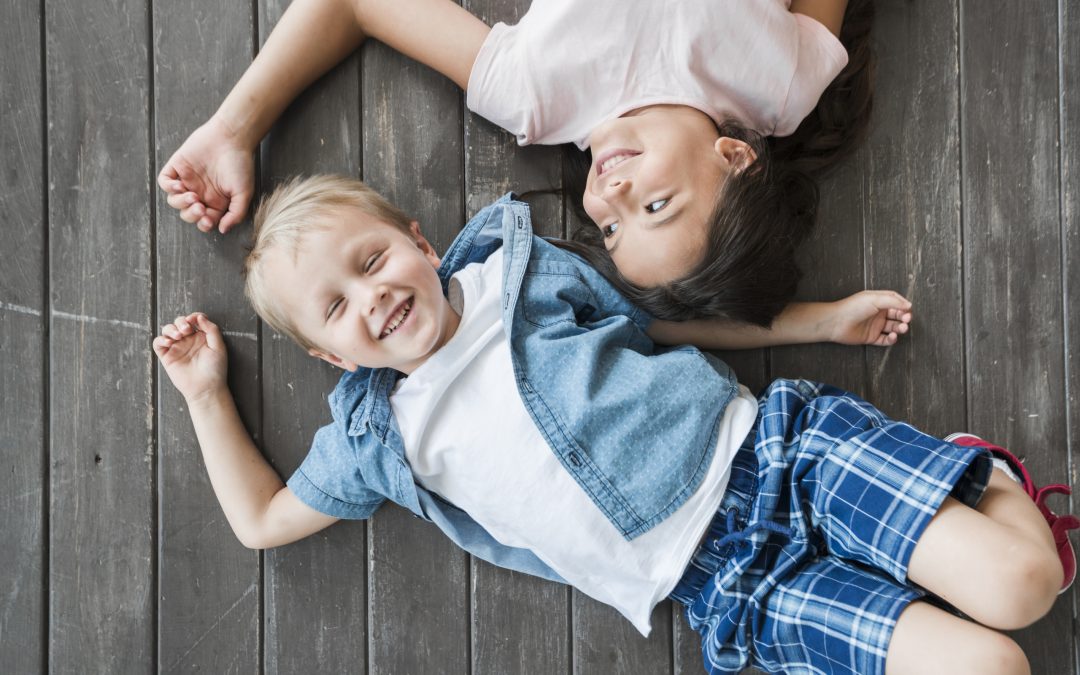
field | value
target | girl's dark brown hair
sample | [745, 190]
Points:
[748, 271]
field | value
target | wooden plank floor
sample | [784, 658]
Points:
[117, 557]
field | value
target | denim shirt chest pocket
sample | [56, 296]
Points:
[556, 294]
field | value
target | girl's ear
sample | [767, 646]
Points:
[736, 154]
[423, 244]
[332, 359]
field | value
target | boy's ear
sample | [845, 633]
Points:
[332, 359]
[737, 154]
[424, 245]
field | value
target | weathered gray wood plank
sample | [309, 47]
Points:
[418, 580]
[101, 550]
[23, 344]
[912, 213]
[607, 644]
[1012, 251]
[209, 584]
[316, 589]
[519, 623]
[1069, 15]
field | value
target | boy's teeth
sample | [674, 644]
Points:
[396, 321]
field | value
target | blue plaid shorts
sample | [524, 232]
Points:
[804, 567]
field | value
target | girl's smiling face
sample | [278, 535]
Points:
[652, 186]
[365, 292]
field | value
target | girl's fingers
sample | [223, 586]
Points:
[182, 200]
[162, 345]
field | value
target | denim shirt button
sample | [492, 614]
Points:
[520, 223]
[526, 386]
[574, 459]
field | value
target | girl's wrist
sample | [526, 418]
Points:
[235, 127]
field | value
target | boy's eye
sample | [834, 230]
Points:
[653, 207]
[371, 261]
[610, 229]
[333, 308]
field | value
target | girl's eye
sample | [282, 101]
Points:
[610, 230]
[371, 261]
[659, 204]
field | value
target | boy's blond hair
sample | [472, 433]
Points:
[294, 209]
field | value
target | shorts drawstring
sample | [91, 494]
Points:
[741, 536]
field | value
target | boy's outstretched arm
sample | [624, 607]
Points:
[210, 178]
[262, 512]
[866, 318]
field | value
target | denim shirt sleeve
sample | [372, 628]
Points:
[329, 479]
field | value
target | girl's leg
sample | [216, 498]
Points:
[997, 563]
[927, 640]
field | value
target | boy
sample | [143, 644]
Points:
[540, 428]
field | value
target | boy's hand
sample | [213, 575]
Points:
[210, 178]
[193, 353]
[869, 318]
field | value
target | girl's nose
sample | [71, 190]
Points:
[617, 186]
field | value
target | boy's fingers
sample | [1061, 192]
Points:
[213, 334]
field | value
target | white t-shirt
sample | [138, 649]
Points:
[570, 65]
[497, 467]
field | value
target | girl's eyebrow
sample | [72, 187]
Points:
[665, 221]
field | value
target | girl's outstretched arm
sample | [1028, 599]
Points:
[261, 511]
[876, 318]
[210, 178]
[829, 13]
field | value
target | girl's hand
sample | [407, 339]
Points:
[193, 353]
[876, 318]
[210, 178]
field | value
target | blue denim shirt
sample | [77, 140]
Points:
[635, 425]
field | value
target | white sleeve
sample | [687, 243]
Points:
[500, 87]
[821, 58]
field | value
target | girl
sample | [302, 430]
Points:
[672, 99]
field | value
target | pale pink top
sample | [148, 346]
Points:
[570, 65]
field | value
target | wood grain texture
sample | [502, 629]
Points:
[23, 344]
[418, 580]
[911, 212]
[1069, 91]
[101, 550]
[1009, 122]
[316, 589]
[209, 584]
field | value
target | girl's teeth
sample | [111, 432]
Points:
[613, 162]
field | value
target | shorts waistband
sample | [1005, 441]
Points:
[738, 498]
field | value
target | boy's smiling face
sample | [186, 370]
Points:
[364, 291]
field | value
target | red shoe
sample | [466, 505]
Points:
[1059, 525]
